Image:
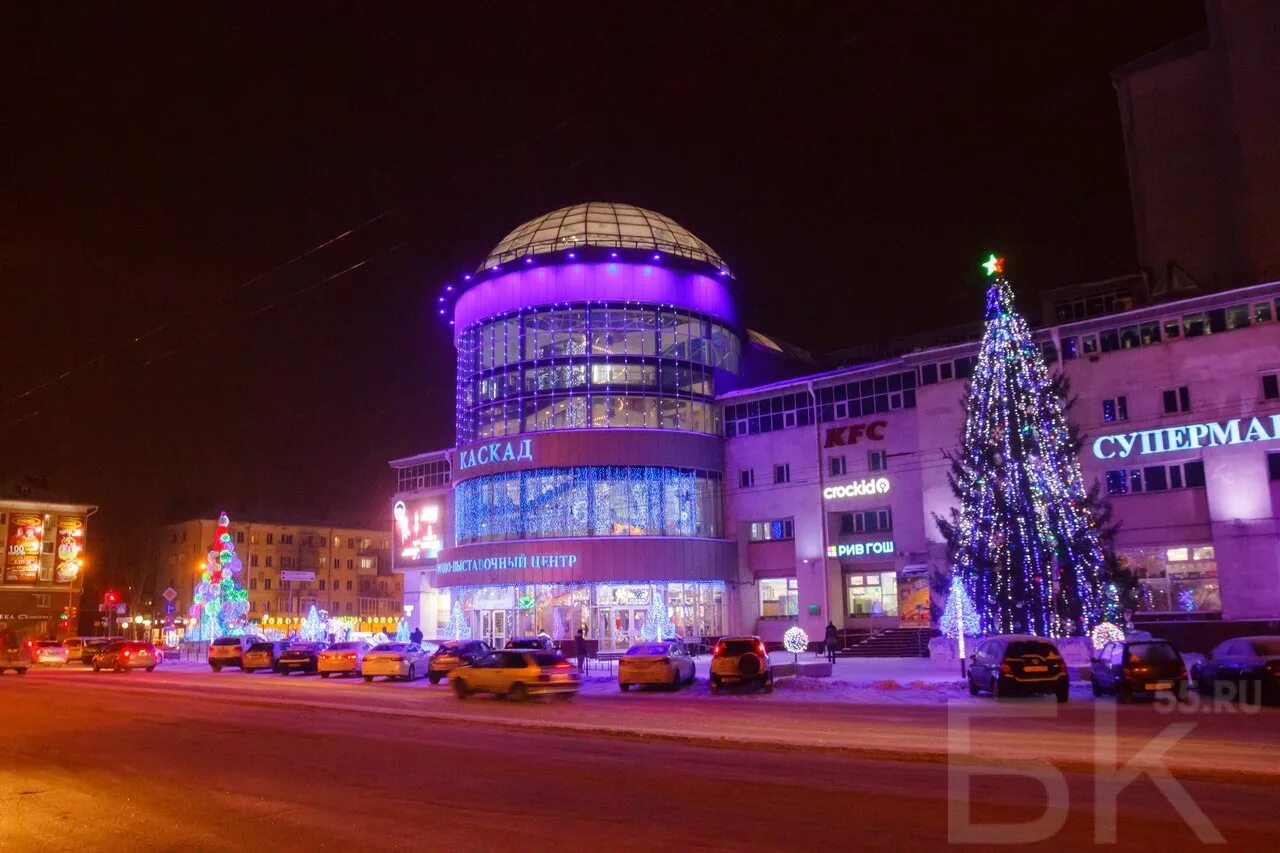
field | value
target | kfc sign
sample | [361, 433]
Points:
[845, 435]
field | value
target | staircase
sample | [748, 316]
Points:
[893, 643]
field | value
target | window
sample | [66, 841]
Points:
[768, 415]
[1090, 344]
[350, 564]
[266, 583]
[270, 538]
[747, 478]
[1262, 312]
[1181, 579]
[837, 466]
[782, 473]
[1172, 329]
[253, 583]
[1070, 348]
[1238, 317]
[366, 562]
[268, 560]
[779, 598]
[866, 521]
[41, 599]
[768, 531]
[1116, 409]
[351, 543]
[239, 537]
[865, 397]
[348, 590]
[1273, 466]
[253, 559]
[322, 584]
[1177, 400]
[1271, 386]
[872, 594]
[877, 460]
[1155, 478]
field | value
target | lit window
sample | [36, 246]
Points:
[779, 598]
[782, 473]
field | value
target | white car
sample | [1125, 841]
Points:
[49, 652]
[664, 662]
[395, 660]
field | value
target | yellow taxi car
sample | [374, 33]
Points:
[664, 662]
[741, 660]
[263, 655]
[342, 658]
[517, 674]
[396, 660]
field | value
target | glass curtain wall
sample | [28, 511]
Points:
[594, 367]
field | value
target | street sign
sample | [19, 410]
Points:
[120, 609]
[170, 594]
[297, 576]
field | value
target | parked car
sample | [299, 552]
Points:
[342, 658]
[453, 654]
[299, 657]
[93, 646]
[15, 652]
[229, 651]
[123, 655]
[1018, 664]
[542, 643]
[395, 660]
[741, 660]
[517, 674]
[262, 655]
[75, 646]
[665, 662]
[49, 653]
[1250, 664]
[1136, 668]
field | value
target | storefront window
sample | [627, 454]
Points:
[871, 594]
[613, 614]
[1182, 579]
[779, 598]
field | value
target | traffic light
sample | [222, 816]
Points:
[110, 598]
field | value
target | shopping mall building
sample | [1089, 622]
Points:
[621, 436]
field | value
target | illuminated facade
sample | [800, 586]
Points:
[610, 453]
[42, 566]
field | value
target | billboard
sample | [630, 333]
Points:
[68, 544]
[22, 548]
[418, 530]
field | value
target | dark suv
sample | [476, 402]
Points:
[1018, 664]
[1138, 668]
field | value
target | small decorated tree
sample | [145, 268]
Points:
[402, 631]
[657, 623]
[220, 605]
[457, 628]
[959, 618]
[313, 627]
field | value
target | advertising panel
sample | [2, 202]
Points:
[69, 543]
[418, 530]
[22, 551]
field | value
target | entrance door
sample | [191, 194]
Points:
[500, 632]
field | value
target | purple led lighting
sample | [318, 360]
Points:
[594, 282]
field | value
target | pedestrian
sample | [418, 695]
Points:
[580, 646]
[832, 640]
[416, 636]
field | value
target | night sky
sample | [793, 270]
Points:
[166, 177]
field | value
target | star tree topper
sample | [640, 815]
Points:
[994, 265]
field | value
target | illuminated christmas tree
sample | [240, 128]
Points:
[657, 623]
[1025, 540]
[220, 604]
[457, 628]
[402, 631]
[959, 612]
[313, 627]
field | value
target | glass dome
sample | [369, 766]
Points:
[601, 223]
